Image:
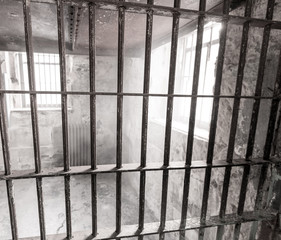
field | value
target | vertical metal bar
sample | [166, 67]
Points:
[200, 30]
[68, 206]
[34, 117]
[92, 56]
[41, 208]
[169, 116]
[235, 114]
[196, 73]
[121, 34]
[148, 47]
[239, 81]
[254, 119]
[31, 78]
[61, 43]
[268, 142]
[60, 20]
[12, 209]
[7, 162]
[256, 106]
[213, 125]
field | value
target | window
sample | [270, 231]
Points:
[186, 55]
[47, 78]
[184, 77]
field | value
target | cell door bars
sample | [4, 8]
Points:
[183, 224]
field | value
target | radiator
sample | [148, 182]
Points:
[79, 144]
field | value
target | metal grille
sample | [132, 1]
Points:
[165, 226]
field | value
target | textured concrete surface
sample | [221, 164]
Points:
[44, 24]
[53, 193]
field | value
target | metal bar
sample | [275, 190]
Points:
[196, 73]
[34, 116]
[7, 162]
[256, 106]
[136, 94]
[92, 57]
[135, 7]
[169, 117]
[131, 167]
[74, 22]
[267, 148]
[239, 81]
[41, 208]
[190, 138]
[121, 34]
[214, 118]
[68, 207]
[172, 226]
[147, 59]
[4, 130]
[31, 78]
[235, 114]
[12, 209]
[61, 43]
[254, 120]
[60, 20]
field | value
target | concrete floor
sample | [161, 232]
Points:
[54, 205]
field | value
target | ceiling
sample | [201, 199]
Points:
[44, 27]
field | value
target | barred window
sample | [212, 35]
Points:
[47, 78]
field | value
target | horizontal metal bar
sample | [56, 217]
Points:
[171, 226]
[136, 94]
[141, 8]
[132, 167]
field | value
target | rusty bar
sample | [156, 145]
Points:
[92, 59]
[136, 94]
[196, 73]
[136, 7]
[267, 149]
[254, 119]
[75, 12]
[4, 129]
[214, 118]
[61, 43]
[169, 117]
[34, 116]
[147, 59]
[132, 167]
[12, 209]
[121, 34]
[7, 162]
[31, 78]
[190, 138]
[68, 206]
[239, 81]
[235, 114]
